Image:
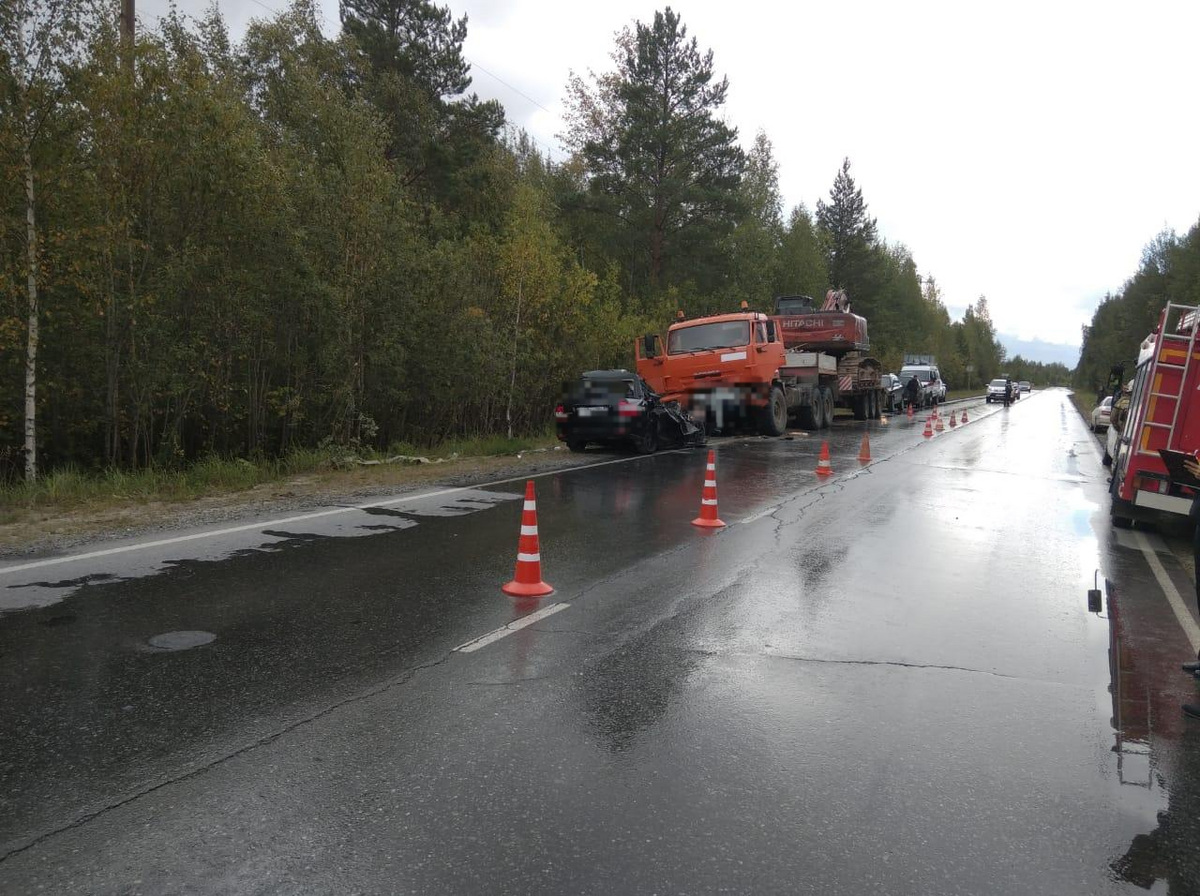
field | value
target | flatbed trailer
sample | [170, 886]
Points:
[734, 371]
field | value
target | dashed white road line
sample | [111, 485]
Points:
[493, 636]
[284, 521]
[1173, 597]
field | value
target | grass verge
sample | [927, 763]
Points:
[71, 488]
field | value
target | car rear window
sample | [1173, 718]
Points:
[604, 390]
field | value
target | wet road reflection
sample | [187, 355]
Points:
[887, 682]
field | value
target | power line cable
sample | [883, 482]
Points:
[513, 89]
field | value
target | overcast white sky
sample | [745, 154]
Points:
[1025, 151]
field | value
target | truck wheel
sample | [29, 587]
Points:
[827, 406]
[815, 412]
[808, 415]
[773, 421]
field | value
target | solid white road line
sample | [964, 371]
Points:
[283, 521]
[1173, 597]
[492, 637]
[760, 515]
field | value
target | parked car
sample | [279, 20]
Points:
[1026, 385]
[1101, 414]
[1116, 423]
[893, 388]
[614, 407]
[995, 390]
[932, 389]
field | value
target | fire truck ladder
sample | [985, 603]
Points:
[1184, 338]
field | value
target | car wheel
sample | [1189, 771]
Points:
[648, 443]
[576, 445]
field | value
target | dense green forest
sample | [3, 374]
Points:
[1169, 272]
[209, 248]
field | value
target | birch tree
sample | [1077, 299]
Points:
[41, 42]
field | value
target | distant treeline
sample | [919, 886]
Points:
[225, 249]
[1169, 272]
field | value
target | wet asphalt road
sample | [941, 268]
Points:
[885, 682]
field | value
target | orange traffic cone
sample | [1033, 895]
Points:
[708, 501]
[953, 421]
[823, 467]
[528, 580]
[928, 429]
[938, 425]
[964, 419]
[864, 453]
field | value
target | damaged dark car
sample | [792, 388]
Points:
[617, 407]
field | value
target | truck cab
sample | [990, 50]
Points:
[721, 368]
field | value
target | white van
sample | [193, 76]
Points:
[933, 390]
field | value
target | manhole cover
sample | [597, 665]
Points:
[182, 640]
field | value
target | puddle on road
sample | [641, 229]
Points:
[35, 589]
[186, 640]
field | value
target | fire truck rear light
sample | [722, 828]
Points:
[1151, 484]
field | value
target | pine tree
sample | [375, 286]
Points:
[848, 231]
[418, 79]
[659, 162]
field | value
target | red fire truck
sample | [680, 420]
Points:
[1162, 414]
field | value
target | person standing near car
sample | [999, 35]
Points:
[1008, 393]
[912, 392]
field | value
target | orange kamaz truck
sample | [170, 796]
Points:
[753, 370]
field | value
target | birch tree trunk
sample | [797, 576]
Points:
[31, 345]
[512, 382]
[31, 349]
